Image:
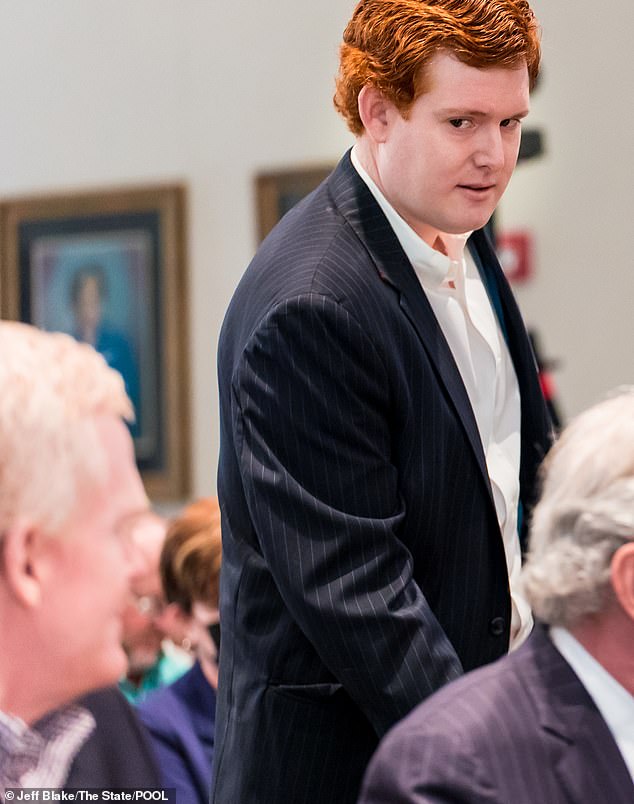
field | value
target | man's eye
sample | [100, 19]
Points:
[510, 122]
[459, 122]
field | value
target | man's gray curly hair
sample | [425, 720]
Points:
[586, 512]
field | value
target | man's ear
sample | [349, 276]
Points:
[376, 112]
[20, 546]
[622, 577]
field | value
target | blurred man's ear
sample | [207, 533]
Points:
[20, 547]
[376, 112]
[622, 577]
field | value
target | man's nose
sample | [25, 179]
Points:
[490, 151]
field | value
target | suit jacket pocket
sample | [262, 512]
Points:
[315, 694]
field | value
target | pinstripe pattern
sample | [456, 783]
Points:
[362, 560]
[521, 731]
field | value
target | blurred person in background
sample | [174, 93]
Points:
[153, 659]
[181, 717]
[70, 493]
[553, 722]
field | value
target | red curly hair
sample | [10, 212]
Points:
[191, 556]
[387, 42]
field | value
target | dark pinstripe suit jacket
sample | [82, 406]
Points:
[521, 731]
[363, 565]
[118, 753]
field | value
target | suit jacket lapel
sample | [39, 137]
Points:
[489, 279]
[536, 424]
[358, 206]
[583, 752]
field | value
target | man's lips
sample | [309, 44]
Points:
[477, 193]
[478, 188]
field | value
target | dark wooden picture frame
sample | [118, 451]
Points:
[277, 191]
[113, 262]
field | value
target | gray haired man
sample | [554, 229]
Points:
[69, 492]
[553, 721]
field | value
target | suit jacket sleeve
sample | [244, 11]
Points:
[172, 755]
[313, 418]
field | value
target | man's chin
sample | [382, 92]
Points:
[106, 673]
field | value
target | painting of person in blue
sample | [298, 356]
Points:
[89, 291]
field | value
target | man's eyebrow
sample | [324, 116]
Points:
[454, 112]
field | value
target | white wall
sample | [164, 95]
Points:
[97, 93]
[579, 199]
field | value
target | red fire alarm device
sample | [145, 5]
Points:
[515, 252]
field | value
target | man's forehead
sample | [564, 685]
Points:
[459, 89]
[445, 67]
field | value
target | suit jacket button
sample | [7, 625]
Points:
[496, 626]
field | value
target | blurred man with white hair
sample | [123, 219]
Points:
[554, 721]
[69, 494]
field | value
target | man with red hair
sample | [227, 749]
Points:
[381, 417]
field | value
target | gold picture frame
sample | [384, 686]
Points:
[277, 191]
[128, 245]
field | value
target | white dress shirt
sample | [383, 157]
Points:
[463, 309]
[613, 701]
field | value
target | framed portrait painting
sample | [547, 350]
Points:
[278, 191]
[109, 269]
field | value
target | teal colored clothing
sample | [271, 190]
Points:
[167, 669]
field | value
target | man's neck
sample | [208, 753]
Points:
[366, 156]
[608, 637]
[24, 700]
